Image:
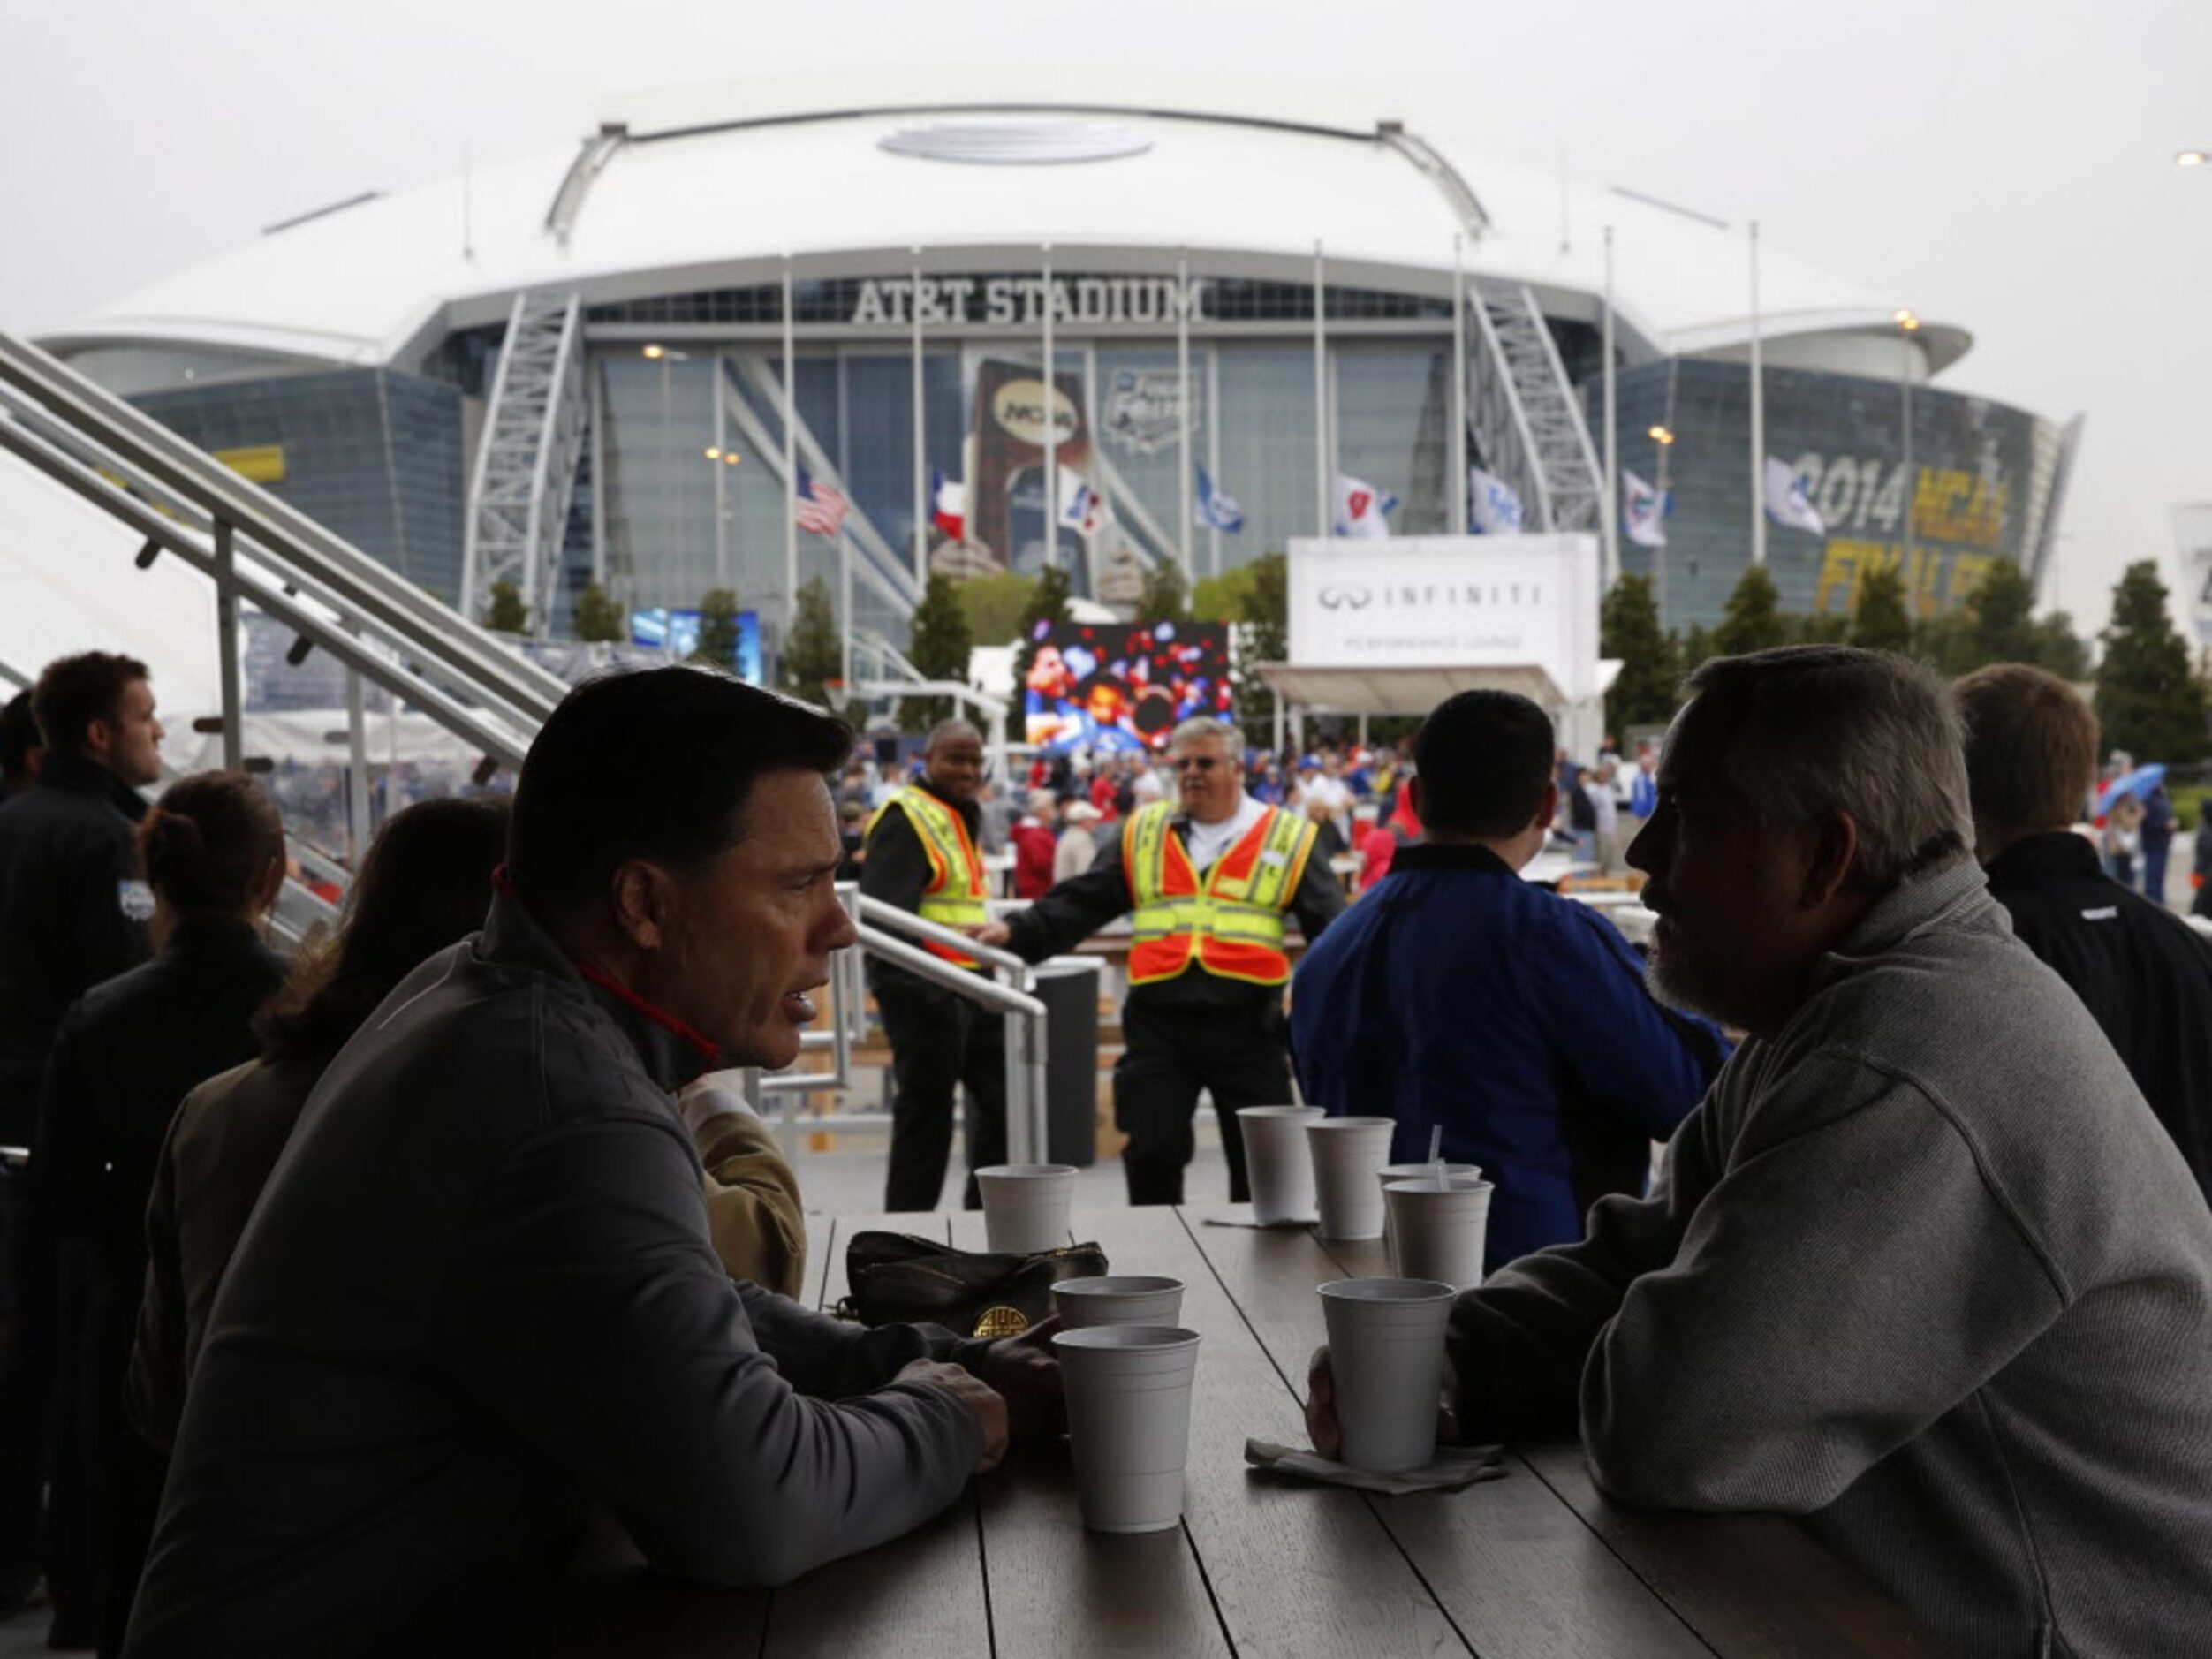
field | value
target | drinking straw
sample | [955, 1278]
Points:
[1436, 1156]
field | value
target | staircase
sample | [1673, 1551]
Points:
[525, 464]
[1526, 418]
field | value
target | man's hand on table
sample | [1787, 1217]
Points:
[972, 1391]
[994, 934]
[1023, 1369]
[1327, 1434]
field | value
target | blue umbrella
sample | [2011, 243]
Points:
[2139, 783]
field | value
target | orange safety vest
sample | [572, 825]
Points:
[1231, 925]
[955, 896]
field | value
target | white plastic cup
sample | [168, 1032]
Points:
[1386, 1348]
[1128, 1391]
[1026, 1205]
[1390, 1172]
[1436, 1232]
[1346, 1153]
[1118, 1299]
[1278, 1162]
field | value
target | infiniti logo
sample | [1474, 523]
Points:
[1337, 597]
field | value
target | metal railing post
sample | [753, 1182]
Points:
[226, 640]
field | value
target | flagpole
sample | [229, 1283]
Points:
[1213, 456]
[1612, 519]
[1462, 520]
[1659, 553]
[1051, 432]
[791, 465]
[1321, 394]
[922, 450]
[844, 610]
[1183, 393]
[1758, 418]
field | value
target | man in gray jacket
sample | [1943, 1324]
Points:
[478, 1304]
[1923, 1270]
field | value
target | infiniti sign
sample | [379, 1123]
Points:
[1339, 597]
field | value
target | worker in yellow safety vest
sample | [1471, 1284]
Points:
[921, 855]
[1207, 884]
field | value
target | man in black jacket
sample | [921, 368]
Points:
[2031, 758]
[925, 855]
[72, 910]
[478, 1303]
[1210, 881]
[72, 914]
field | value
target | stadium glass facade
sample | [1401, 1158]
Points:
[1983, 484]
[382, 456]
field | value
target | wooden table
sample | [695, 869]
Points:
[1535, 1564]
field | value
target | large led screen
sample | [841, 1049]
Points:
[1122, 687]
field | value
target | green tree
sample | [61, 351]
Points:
[1753, 620]
[940, 645]
[813, 653]
[506, 613]
[1223, 598]
[2058, 649]
[1947, 642]
[1164, 598]
[996, 605]
[1693, 647]
[1266, 637]
[1644, 694]
[2148, 701]
[1822, 627]
[1880, 622]
[717, 629]
[1998, 616]
[598, 617]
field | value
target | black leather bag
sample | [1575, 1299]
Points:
[902, 1278]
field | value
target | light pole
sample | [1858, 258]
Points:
[665, 355]
[1661, 438]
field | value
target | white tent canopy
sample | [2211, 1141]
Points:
[1404, 691]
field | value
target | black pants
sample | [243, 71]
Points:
[939, 1041]
[1237, 1056]
[126, 1473]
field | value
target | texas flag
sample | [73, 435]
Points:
[948, 504]
[1359, 507]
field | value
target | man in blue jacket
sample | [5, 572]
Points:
[1457, 995]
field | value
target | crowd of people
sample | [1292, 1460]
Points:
[347, 1289]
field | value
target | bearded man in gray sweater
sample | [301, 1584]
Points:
[1923, 1271]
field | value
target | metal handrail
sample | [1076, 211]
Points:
[878, 912]
[351, 575]
[1027, 1136]
[917, 961]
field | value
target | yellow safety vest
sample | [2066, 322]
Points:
[955, 896]
[1230, 925]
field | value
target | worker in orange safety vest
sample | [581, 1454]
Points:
[1207, 884]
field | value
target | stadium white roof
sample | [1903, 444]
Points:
[713, 190]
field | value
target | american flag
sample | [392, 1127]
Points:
[821, 509]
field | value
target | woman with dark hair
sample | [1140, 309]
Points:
[213, 851]
[424, 885]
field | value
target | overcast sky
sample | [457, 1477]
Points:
[2006, 165]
